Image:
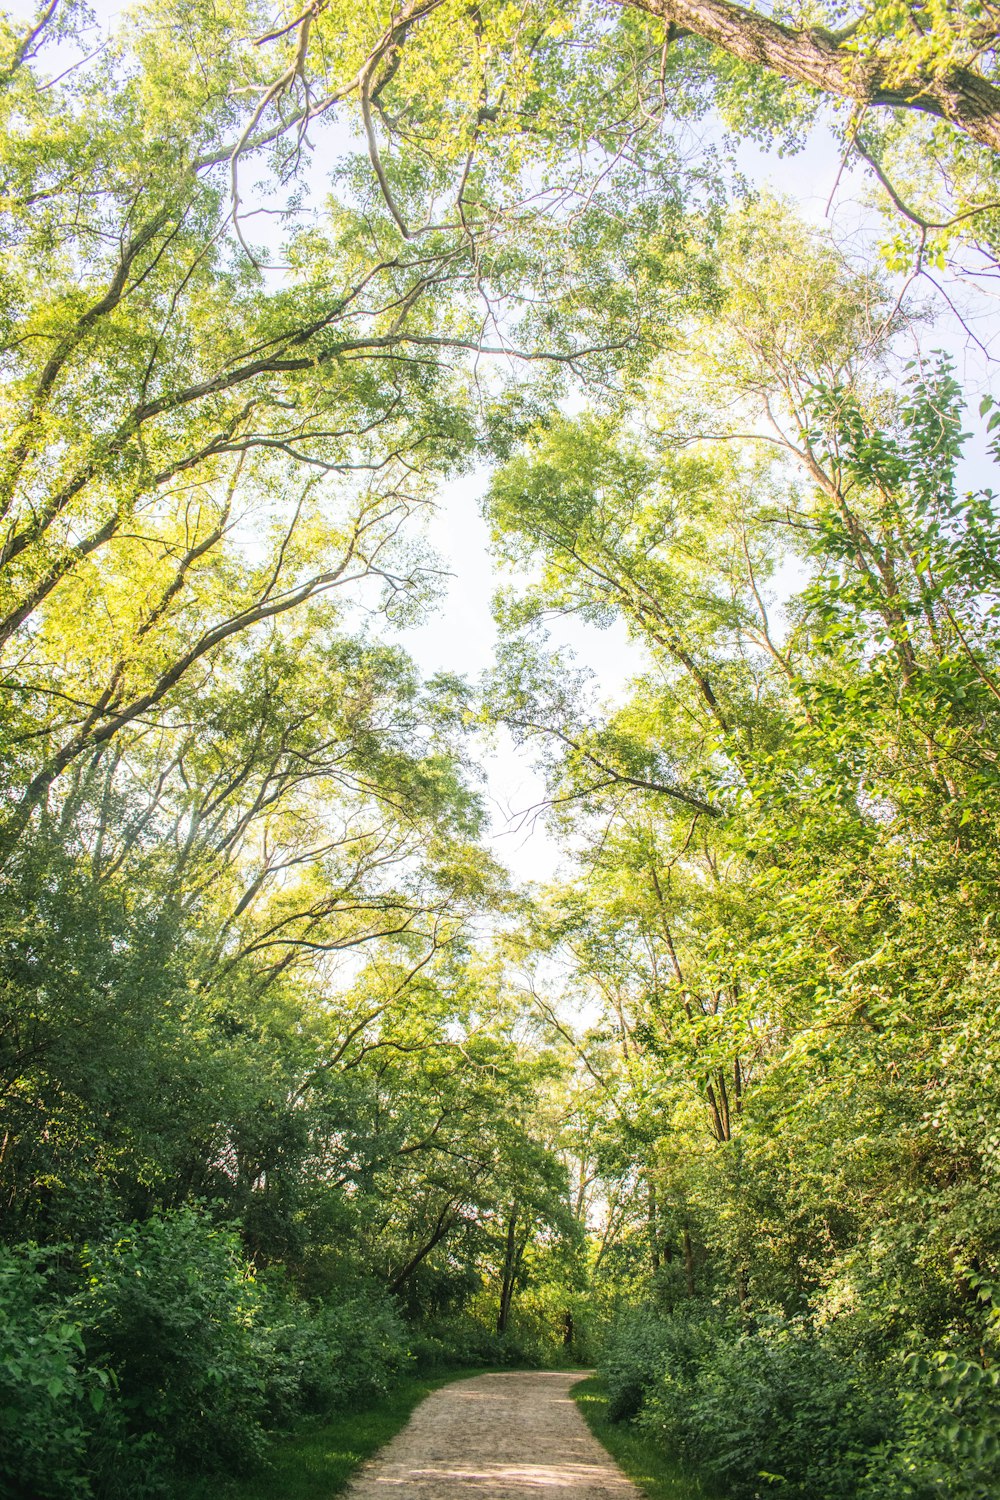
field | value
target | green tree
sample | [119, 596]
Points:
[764, 819]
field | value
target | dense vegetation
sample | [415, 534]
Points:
[299, 1092]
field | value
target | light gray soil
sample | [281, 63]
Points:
[509, 1437]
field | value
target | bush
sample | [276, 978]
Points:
[778, 1407]
[45, 1386]
[168, 1358]
[326, 1356]
[170, 1307]
[647, 1352]
[208, 1359]
[469, 1342]
[783, 1407]
[945, 1442]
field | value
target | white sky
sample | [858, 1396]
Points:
[461, 637]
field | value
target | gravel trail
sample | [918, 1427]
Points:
[509, 1437]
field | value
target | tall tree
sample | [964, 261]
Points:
[764, 818]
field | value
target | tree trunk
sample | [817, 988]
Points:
[510, 1260]
[688, 1262]
[820, 59]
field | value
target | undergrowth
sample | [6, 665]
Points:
[657, 1475]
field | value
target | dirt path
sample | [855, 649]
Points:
[508, 1437]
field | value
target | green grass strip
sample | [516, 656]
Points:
[316, 1461]
[655, 1472]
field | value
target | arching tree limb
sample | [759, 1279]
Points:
[827, 61]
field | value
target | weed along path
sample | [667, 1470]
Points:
[507, 1437]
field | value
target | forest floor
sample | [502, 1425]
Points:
[507, 1436]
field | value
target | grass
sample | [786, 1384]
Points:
[316, 1460]
[656, 1473]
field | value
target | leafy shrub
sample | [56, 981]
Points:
[430, 1352]
[64, 1430]
[469, 1342]
[169, 1359]
[778, 1407]
[45, 1387]
[170, 1307]
[327, 1356]
[646, 1351]
[783, 1407]
[946, 1438]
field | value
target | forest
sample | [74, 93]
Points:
[302, 1089]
